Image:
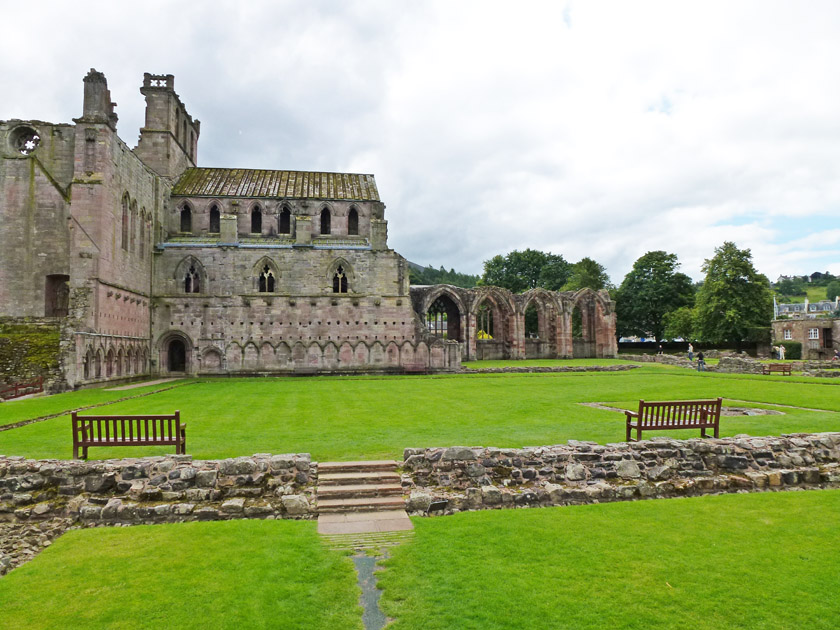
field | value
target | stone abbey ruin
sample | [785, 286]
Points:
[146, 264]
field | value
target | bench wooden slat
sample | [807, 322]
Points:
[663, 415]
[783, 368]
[166, 430]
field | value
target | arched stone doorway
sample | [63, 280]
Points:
[176, 356]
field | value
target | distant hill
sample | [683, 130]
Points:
[419, 274]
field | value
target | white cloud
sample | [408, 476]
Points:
[602, 129]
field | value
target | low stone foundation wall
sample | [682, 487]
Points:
[462, 478]
[40, 499]
[513, 369]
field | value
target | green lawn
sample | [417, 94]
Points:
[759, 561]
[232, 574]
[16, 410]
[367, 418]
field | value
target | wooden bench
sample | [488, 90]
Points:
[22, 388]
[667, 415]
[125, 430]
[777, 368]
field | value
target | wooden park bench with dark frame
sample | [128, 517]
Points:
[777, 368]
[128, 430]
[678, 414]
[22, 388]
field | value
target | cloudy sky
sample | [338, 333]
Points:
[601, 129]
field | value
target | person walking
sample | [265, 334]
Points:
[690, 352]
[701, 362]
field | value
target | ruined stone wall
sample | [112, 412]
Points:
[270, 209]
[29, 347]
[158, 489]
[33, 212]
[461, 478]
[40, 499]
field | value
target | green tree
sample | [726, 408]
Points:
[735, 303]
[680, 323]
[832, 290]
[791, 287]
[651, 290]
[520, 271]
[586, 273]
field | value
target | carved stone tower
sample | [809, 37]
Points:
[169, 139]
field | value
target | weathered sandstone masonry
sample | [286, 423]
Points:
[40, 499]
[460, 478]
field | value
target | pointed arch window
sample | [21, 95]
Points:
[339, 281]
[124, 239]
[353, 222]
[325, 221]
[186, 219]
[256, 221]
[192, 283]
[132, 238]
[142, 249]
[266, 280]
[285, 221]
[215, 219]
[484, 322]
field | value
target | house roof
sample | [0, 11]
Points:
[239, 182]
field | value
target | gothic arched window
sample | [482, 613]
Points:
[191, 281]
[215, 219]
[132, 239]
[186, 219]
[285, 222]
[339, 281]
[353, 222]
[256, 221]
[325, 221]
[125, 222]
[266, 280]
[142, 249]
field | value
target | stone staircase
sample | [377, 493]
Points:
[358, 486]
[361, 504]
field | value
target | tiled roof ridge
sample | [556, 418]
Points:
[267, 183]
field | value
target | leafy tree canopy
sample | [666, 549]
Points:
[791, 287]
[586, 273]
[651, 290]
[832, 290]
[680, 323]
[735, 303]
[529, 269]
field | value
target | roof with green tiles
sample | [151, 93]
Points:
[238, 182]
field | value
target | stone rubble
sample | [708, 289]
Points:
[472, 478]
[40, 499]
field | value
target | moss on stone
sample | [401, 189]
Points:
[28, 349]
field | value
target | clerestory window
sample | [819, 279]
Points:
[191, 281]
[215, 219]
[339, 281]
[186, 220]
[325, 221]
[285, 222]
[353, 222]
[266, 280]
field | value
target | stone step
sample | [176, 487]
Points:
[360, 504]
[355, 478]
[353, 542]
[361, 490]
[382, 465]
